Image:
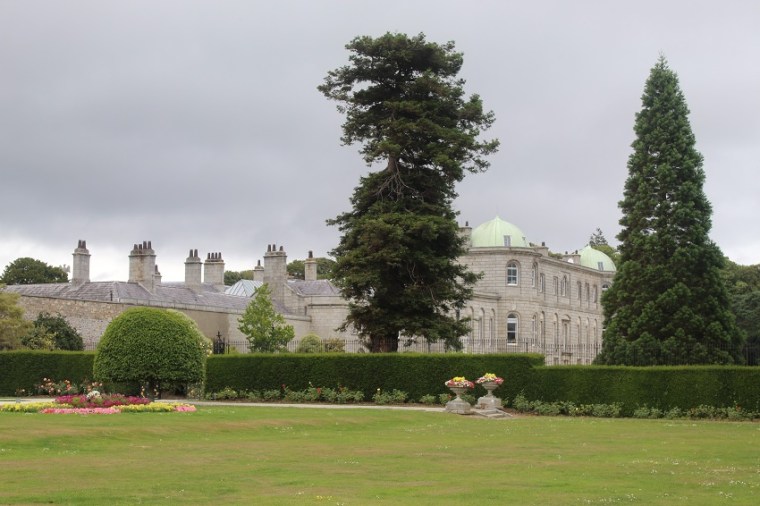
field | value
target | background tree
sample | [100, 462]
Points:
[599, 242]
[743, 284]
[29, 271]
[264, 327]
[232, 277]
[154, 347]
[324, 268]
[65, 337]
[396, 262]
[668, 304]
[12, 324]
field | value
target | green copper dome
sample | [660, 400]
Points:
[498, 233]
[597, 260]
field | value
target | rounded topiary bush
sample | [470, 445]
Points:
[310, 343]
[153, 347]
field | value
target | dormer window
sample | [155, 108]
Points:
[507, 241]
[600, 265]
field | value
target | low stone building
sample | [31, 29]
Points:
[528, 300]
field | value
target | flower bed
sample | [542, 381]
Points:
[100, 400]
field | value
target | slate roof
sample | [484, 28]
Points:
[311, 288]
[165, 295]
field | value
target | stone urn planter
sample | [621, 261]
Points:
[490, 382]
[458, 405]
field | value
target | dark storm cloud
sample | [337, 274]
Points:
[198, 124]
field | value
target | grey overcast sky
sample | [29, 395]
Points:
[197, 124]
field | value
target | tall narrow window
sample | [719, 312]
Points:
[512, 328]
[563, 287]
[556, 285]
[580, 292]
[542, 283]
[512, 274]
[507, 241]
[533, 276]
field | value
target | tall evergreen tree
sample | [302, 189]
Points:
[668, 304]
[397, 258]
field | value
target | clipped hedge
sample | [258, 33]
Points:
[664, 387]
[415, 374]
[25, 369]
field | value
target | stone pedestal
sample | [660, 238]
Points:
[458, 405]
[489, 401]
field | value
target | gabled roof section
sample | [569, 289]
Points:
[320, 287]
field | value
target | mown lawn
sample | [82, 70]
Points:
[277, 455]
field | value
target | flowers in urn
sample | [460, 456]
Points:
[459, 382]
[490, 377]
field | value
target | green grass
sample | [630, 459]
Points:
[263, 455]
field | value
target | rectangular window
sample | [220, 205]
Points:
[507, 241]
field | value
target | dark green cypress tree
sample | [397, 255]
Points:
[668, 303]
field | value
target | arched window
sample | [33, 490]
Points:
[588, 293]
[556, 285]
[563, 287]
[512, 274]
[512, 323]
[542, 283]
[534, 328]
[605, 287]
[580, 292]
[533, 275]
[594, 295]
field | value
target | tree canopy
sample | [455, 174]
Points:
[30, 271]
[264, 327]
[65, 337]
[668, 304]
[296, 268]
[12, 324]
[396, 261]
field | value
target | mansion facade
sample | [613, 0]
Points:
[528, 299]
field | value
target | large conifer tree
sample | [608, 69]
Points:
[668, 304]
[397, 256]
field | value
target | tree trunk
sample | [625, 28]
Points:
[383, 344]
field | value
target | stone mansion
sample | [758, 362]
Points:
[528, 300]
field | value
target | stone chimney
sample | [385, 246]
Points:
[156, 277]
[276, 272]
[81, 267]
[258, 272]
[142, 265]
[542, 250]
[213, 270]
[573, 258]
[193, 268]
[466, 233]
[310, 268]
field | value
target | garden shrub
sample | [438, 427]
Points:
[158, 347]
[310, 343]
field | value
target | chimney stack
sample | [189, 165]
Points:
[193, 268]
[276, 272]
[213, 270]
[310, 268]
[258, 272]
[142, 265]
[81, 267]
